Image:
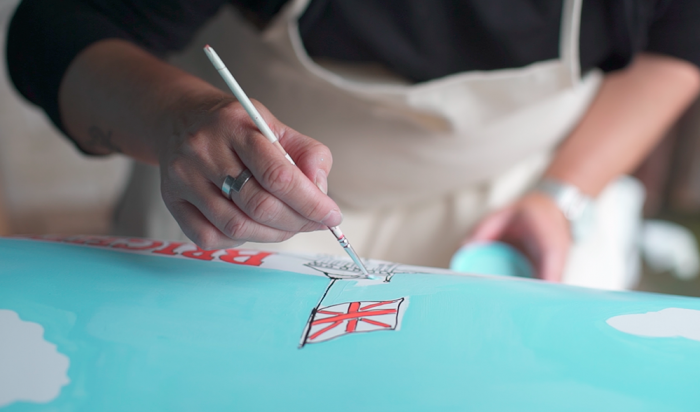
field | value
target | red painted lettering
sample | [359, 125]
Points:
[137, 244]
[250, 258]
[78, 240]
[200, 254]
[99, 241]
[169, 249]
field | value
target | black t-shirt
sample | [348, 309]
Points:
[418, 39]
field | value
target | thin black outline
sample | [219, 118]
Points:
[387, 272]
[307, 328]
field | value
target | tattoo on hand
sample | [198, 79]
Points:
[99, 139]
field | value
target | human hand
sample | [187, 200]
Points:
[536, 227]
[280, 199]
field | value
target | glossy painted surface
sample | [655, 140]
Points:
[147, 333]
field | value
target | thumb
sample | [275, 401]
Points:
[312, 157]
[553, 255]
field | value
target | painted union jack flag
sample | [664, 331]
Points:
[337, 320]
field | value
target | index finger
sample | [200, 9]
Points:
[284, 180]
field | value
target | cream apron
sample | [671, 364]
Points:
[415, 165]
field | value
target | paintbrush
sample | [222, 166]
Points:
[267, 132]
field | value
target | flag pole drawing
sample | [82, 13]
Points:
[324, 322]
[342, 319]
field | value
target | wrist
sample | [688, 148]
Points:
[195, 104]
[572, 203]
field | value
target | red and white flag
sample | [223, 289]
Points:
[352, 317]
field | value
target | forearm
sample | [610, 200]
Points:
[116, 97]
[630, 114]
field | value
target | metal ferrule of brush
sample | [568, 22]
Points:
[345, 243]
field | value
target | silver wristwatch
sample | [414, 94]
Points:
[576, 207]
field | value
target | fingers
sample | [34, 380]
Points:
[230, 220]
[554, 247]
[224, 216]
[492, 226]
[551, 233]
[277, 202]
[552, 265]
[262, 207]
[252, 199]
[285, 181]
[312, 158]
[197, 228]
[535, 227]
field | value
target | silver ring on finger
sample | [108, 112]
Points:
[235, 184]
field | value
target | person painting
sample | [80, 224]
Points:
[437, 117]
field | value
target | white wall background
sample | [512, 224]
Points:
[46, 185]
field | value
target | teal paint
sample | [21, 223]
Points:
[491, 258]
[148, 333]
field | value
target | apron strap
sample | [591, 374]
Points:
[569, 39]
[292, 11]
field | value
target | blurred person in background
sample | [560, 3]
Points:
[446, 122]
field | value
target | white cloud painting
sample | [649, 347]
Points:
[666, 323]
[31, 369]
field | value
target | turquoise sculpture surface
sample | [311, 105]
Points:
[114, 324]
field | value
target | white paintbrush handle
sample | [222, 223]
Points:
[265, 129]
[240, 94]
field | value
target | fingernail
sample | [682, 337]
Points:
[322, 181]
[333, 218]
